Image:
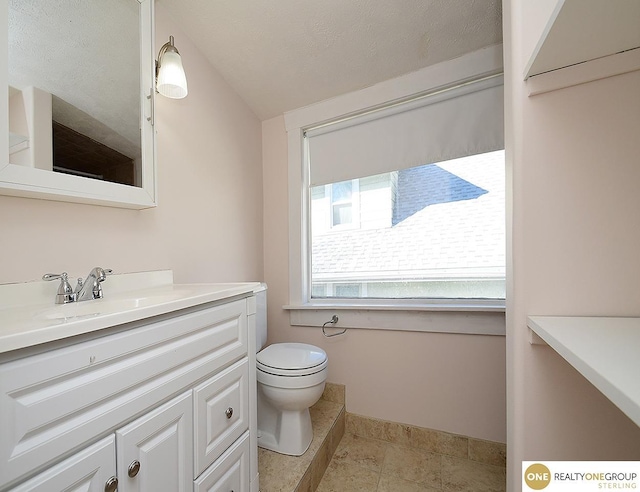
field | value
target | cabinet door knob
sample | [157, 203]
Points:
[134, 468]
[111, 485]
[228, 412]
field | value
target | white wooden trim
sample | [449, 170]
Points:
[454, 321]
[589, 71]
[298, 206]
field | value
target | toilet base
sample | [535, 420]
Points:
[293, 433]
[284, 422]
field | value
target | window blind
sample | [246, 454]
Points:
[457, 122]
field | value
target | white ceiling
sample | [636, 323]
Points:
[280, 55]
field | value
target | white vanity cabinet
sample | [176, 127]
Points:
[159, 404]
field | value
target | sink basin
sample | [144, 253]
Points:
[101, 307]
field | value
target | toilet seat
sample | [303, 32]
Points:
[291, 359]
[291, 383]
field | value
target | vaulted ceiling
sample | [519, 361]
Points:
[280, 55]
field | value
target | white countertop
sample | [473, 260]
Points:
[606, 351]
[29, 316]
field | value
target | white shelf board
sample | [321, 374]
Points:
[606, 351]
[607, 66]
[582, 30]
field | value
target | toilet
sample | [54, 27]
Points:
[291, 378]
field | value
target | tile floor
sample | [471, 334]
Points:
[381, 456]
[372, 465]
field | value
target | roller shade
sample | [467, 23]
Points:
[458, 122]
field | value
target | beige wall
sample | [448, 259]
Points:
[208, 224]
[454, 383]
[575, 238]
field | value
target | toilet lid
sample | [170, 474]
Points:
[291, 356]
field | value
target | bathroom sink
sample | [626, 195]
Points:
[101, 307]
[106, 306]
[127, 298]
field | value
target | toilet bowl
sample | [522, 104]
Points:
[291, 378]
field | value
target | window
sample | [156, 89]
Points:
[416, 201]
[377, 139]
[342, 195]
[431, 231]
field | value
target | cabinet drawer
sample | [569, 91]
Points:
[230, 472]
[221, 413]
[55, 402]
[87, 470]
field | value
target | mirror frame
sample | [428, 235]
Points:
[38, 183]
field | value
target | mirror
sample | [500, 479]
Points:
[79, 102]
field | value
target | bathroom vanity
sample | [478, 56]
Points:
[151, 388]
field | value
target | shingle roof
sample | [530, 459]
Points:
[455, 227]
[422, 186]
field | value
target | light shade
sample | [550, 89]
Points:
[171, 81]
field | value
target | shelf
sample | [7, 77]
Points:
[606, 351]
[582, 30]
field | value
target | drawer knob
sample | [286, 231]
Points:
[134, 468]
[111, 485]
[229, 412]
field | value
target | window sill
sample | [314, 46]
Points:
[447, 316]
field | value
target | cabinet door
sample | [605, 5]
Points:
[221, 410]
[161, 442]
[230, 473]
[86, 471]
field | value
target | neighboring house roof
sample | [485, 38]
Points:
[421, 186]
[448, 222]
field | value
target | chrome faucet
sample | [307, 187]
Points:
[90, 288]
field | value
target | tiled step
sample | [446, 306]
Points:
[283, 473]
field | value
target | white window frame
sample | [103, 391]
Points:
[355, 207]
[473, 316]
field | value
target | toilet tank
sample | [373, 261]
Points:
[261, 316]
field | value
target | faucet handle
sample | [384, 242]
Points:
[65, 291]
[79, 285]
